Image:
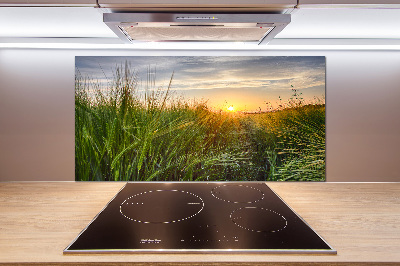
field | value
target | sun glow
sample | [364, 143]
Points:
[231, 108]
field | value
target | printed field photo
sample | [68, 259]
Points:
[182, 118]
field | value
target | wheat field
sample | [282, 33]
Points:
[122, 134]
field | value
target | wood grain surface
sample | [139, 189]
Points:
[360, 220]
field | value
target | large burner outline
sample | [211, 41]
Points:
[258, 231]
[230, 201]
[165, 222]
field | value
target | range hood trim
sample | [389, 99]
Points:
[116, 22]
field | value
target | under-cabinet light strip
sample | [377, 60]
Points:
[193, 46]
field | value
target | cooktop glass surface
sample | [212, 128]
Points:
[198, 217]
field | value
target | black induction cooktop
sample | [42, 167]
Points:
[198, 217]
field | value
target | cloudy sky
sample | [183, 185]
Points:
[245, 83]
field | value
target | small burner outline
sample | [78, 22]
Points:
[258, 231]
[167, 222]
[249, 202]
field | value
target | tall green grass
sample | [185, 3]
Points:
[292, 143]
[122, 134]
[125, 134]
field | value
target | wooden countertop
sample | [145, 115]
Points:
[360, 220]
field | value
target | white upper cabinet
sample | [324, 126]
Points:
[48, 3]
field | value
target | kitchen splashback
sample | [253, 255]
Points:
[183, 118]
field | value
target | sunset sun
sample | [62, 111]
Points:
[231, 108]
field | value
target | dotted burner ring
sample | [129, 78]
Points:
[237, 194]
[257, 219]
[161, 206]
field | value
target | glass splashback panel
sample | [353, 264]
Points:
[200, 118]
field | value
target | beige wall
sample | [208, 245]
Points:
[37, 111]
